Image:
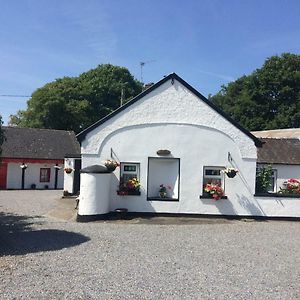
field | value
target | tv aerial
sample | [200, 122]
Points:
[142, 64]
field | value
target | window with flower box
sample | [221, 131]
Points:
[129, 179]
[213, 176]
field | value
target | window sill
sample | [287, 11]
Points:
[136, 193]
[210, 197]
[277, 195]
[162, 199]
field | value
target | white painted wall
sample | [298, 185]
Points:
[94, 194]
[32, 175]
[168, 104]
[69, 178]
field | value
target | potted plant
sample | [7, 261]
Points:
[214, 190]
[290, 186]
[130, 187]
[111, 165]
[163, 191]
[231, 172]
[68, 170]
[263, 179]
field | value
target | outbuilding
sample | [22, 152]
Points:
[34, 158]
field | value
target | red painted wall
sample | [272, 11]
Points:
[3, 174]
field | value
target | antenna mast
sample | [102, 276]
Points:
[142, 64]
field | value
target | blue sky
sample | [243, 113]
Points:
[207, 42]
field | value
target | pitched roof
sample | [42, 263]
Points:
[278, 133]
[279, 151]
[38, 143]
[171, 76]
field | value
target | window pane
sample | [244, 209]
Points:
[127, 177]
[212, 180]
[213, 172]
[44, 174]
[128, 168]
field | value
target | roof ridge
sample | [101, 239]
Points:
[34, 128]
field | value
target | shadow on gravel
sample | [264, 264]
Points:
[18, 238]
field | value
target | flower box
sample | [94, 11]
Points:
[129, 193]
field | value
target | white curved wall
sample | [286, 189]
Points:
[94, 194]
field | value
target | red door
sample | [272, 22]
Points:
[3, 175]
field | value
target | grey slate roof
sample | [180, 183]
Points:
[279, 151]
[38, 143]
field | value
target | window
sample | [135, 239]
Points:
[44, 174]
[129, 171]
[213, 175]
[264, 171]
[163, 173]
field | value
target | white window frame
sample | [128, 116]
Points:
[273, 188]
[135, 174]
[221, 176]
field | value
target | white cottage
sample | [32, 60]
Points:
[171, 135]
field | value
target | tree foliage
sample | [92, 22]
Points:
[74, 103]
[269, 98]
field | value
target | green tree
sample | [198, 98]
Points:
[74, 103]
[269, 98]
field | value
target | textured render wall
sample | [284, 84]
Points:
[196, 146]
[32, 175]
[168, 104]
[279, 207]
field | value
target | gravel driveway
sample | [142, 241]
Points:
[42, 257]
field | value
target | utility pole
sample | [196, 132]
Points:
[122, 97]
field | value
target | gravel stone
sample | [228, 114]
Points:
[43, 257]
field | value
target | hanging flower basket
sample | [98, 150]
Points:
[68, 170]
[111, 165]
[231, 172]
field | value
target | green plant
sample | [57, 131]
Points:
[263, 179]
